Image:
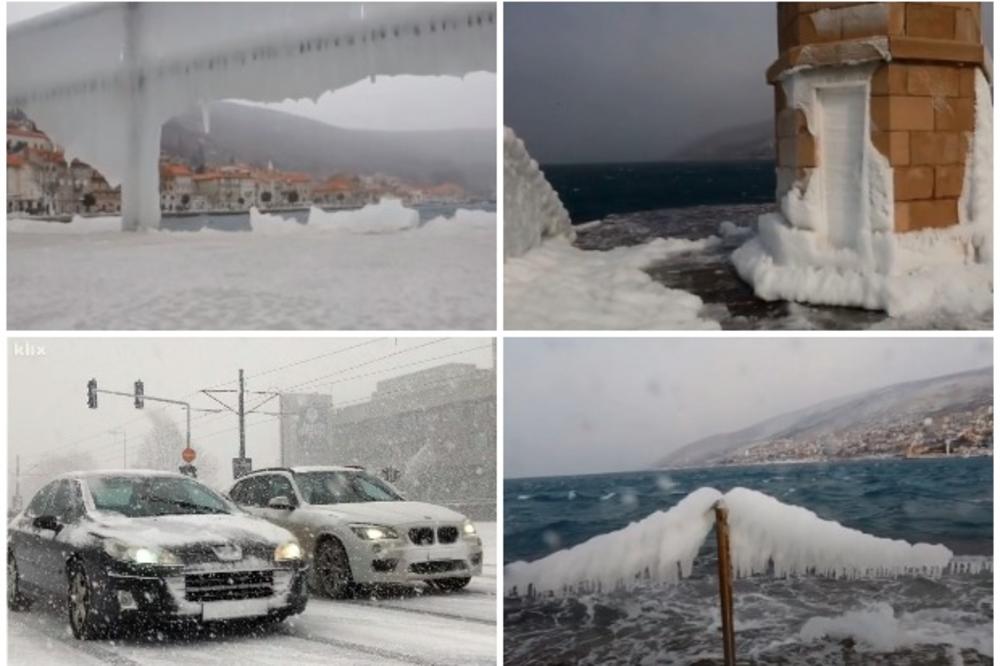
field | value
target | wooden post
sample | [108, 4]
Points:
[725, 583]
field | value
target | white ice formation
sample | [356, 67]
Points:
[532, 209]
[829, 246]
[550, 284]
[101, 79]
[766, 536]
[660, 547]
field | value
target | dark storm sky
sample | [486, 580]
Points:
[635, 82]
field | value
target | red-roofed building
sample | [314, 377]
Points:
[176, 187]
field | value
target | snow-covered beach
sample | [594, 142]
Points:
[375, 268]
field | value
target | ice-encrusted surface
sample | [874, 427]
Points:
[532, 209]
[550, 284]
[767, 536]
[146, 63]
[660, 547]
[929, 276]
[282, 275]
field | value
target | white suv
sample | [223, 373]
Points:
[357, 529]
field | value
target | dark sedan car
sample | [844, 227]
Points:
[152, 547]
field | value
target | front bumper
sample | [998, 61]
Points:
[400, 562]
[165, 594]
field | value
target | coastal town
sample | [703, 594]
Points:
[962, 433]
[42, 183]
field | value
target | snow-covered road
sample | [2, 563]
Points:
[416, 626]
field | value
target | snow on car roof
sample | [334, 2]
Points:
[327, 468]
[91, 473]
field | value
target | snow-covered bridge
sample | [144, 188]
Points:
[101, 79]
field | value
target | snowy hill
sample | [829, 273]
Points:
[256, 135]
[754, 141]
[875, 410]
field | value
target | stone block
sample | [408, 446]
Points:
[894, 145]
[934, 80]
[889, 79]
[911, 183]
[955, 114]
[933, 21]
[948, 181]
[936, 148]
[897, 113]
[930, 214]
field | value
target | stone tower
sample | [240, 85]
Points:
[883, 124]
[921, 103]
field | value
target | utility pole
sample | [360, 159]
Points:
[119, 431]
[17, 485]
[241, 464]
[242, 414]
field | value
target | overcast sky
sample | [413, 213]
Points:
[390, 103]
[48, 413]
[635, 82]
[575, 406]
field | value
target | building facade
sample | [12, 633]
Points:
[431, 433]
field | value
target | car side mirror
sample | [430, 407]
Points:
[47, 523]
[281, 503]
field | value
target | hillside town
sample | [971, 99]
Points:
[42, 183]
[963, 433]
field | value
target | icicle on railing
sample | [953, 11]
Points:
[767, 536]
[660, 547]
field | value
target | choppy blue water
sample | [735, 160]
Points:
[594, 191]
[904, 620]
[947, 501]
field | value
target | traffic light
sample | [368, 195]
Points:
[92, 394]
[139, 394]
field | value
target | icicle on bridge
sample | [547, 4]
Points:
[102, 79]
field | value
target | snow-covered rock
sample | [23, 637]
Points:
[532, 209]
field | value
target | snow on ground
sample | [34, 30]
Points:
[284, 275]
[416, 627]
[549, 284]
[557, 286]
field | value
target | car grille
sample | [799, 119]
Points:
[447, 534]
[437, 566]
[422, 536]
[229, 585]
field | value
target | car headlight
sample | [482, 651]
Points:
[468, 528]
[126, 552]
[288, 552]
[374, 532]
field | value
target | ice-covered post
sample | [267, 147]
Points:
[141, 179]
[725, 583]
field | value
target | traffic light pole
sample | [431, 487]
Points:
[170, 401]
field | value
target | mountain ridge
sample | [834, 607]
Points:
[256, 135]
[866, 408]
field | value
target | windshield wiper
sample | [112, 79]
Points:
[200, 508]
